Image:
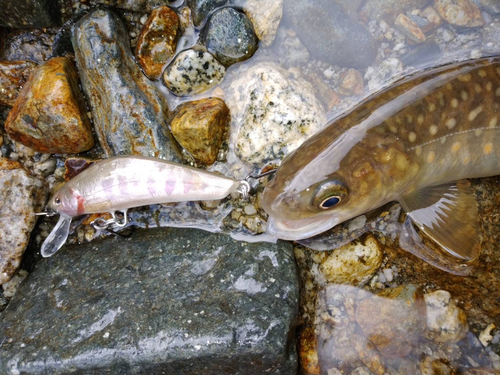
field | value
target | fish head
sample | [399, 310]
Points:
[67, 202]
[344, 180]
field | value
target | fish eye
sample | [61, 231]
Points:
[330, 202]
[57, 201]
[329, 194]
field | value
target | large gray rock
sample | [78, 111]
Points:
[165, 301]
[329, 34]
[130, 114]
[29, 13]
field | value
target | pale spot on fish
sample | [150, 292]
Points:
[488, 148]
[498, 71]
[432, 107]
[478, 132]
[465, 78]
[497, 93]
[455, 147]
[454, 103]
[493, 122]
[449, 86]
[466, 160]
[393, 129]
[420, 119]
[433, 130]
[443, 140]
[398, 121]
[478, 88]
[418, 151]
[430, 157]
[464, 95]
[474, 113]
[482, 73]
[489, 86]
[412, 137]
[409, 118]
[450, 123]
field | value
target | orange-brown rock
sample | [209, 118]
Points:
[49, 115]
[308, 352]
[157, 41]
[393, 320]
[199, 126]
[352, 83]
[460, 12]
[13, 76]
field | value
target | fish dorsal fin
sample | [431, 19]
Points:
[448, 215]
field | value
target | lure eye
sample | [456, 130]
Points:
[330, 202]
[329, 194]
[57, 201]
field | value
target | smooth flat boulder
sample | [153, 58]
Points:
[164, 301]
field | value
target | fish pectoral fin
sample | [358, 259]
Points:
[448, 215]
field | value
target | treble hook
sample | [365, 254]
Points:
[264, 174]
[101, 224]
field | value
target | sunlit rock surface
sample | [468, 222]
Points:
[129, 113]
[21, 195]
[174, 301]
[265, 16]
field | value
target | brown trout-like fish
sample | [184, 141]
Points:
[413, 143]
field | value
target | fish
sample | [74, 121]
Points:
[416, 143]
[122, 182]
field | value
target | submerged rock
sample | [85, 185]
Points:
[30, 13]
[193, 72]
[200, 126]
[446, 322]
[491, 6]
[265, 16]
[460, 12]
[50, 115]
[21, 196]
[157, 41]
[388, 10]
[13, 76]
[202, 8]
[129, 112]
[274, 111]
[230, 36]
[329, 34]
[173, 301]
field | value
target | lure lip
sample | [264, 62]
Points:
[293, 230]
[48, 212]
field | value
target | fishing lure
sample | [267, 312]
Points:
[413, 143]
[116, 184]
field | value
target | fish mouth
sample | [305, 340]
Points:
[294, 230]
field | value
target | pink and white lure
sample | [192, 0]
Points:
[122, 182]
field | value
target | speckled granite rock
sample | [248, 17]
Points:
[200, 126]
[460, 12]
[274, 111]
[230, 36]
[265, 16]
[393, 319]
[163, 301]
[30, 13]
[193, 72]
[129, 112]
[446, 322]
[388, 10]
[157, 41]
[329, 34]
[21, 195]
[201, 9]
[50, 114]
[13, 76]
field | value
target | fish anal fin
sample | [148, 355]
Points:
[448, 215]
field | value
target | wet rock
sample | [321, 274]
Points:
[129, 112]
[193, 72]
[351, 7]
[433, 17]
[330, 34]
[34, 45]
[13, 76]
[265, 16]
[393, 319]
[136, 5]
[409, 29]
[11, 286]
[434, 366]
[50, 114]
[351, 83]
[21, 195]
[308, 352]
[491, 42]
[174, 301]
[76, 165]
[459, 12]
[446, 322]
[157, 41]
[200, 126]
[480, 371]
[388, 10]
[202, 8]
[230, 36]
[354, 263]
[491, 6]
[278, 112]
[485, 335]
[30, 13]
